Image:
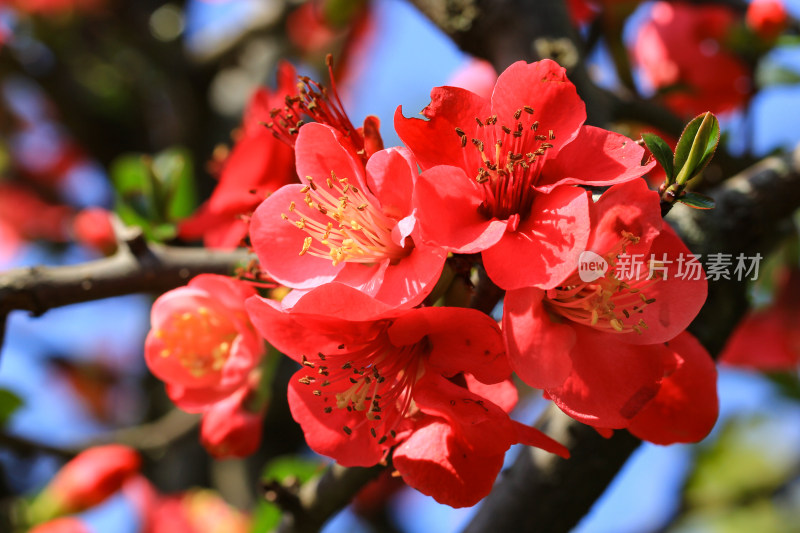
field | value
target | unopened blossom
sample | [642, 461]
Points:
[595, 344]
[425, 380]
[258, 165]
[87, 480]
[347, 222]
[768, 18]
[500, 173]
[201, 343]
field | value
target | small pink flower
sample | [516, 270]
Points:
[347, 222]
[201, 342]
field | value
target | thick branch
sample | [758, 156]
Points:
[320, 498]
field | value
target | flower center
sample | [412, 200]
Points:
[356, 231]
[375, 378]
[609, 303]
[510, 171]
[201, 340]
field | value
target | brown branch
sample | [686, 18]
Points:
[318, 499]
[152, 268]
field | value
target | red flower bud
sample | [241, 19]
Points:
[91, 477]
[767, 18]
[92, 227]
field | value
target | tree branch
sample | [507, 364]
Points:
[134, 269]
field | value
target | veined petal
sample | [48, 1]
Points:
[610, 381]
[538, 346]
[447, 203]
[544, 87]
[596, 157]
[545, 247]
[435, 463]
[686, 406]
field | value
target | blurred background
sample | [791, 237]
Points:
[92, 90]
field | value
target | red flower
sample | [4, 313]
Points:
[201, 342]
[229, 429]
[581, 341]
[258, 165]
[374, 377]
[516, 157]
[91, 477]
[768, 18]
[681, 50]
[768, 339]
[346, 222]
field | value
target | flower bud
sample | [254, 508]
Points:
[85, 481]
[767, 18]
[92, 227]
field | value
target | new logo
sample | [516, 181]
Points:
[591, 266]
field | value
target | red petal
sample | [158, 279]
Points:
[677, 300]
[319, 150]
[686, 406]
[544, 87]
[325, 433]
[435, 141]
[503, 394]
[595, 157]
[461, 340]
[610, 381]
[531, 436]
[538, 347]
[390, 176]
[548, 243]
[447, 203]
[630, 207]
[434, 463]
[278, 243]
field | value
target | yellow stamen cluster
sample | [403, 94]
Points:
[608, 303]
[201, 341]
[355, 230]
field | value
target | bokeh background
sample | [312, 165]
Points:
[85, 84]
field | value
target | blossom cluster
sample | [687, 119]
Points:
[370, 242]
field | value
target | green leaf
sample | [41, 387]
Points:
[266, 517]
[9, 403]
[696, 147]
[697, 200]
[130, 175]
[174, 175]
[281, 468]
[662, 152]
